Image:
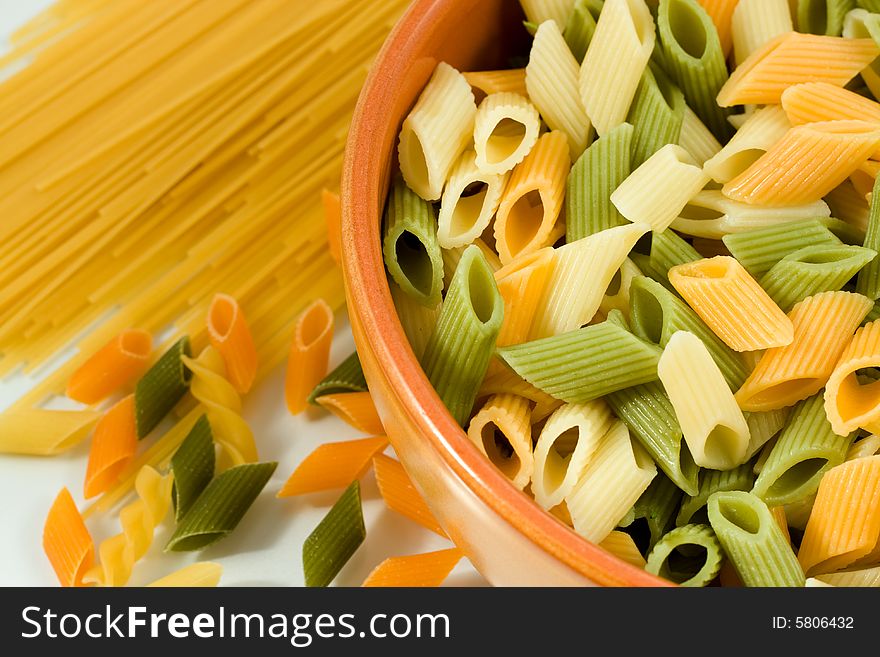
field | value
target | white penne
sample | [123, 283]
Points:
[616, 296]
[437, 130]
[566, 445]
[615, 60]
[713, 425]
[502, 431]
[755, 22]
[538, 11]
[470, 200]
[761, 130]
[552, 83]
[855, 27]
[816, 583]
[868, 577]
[505, 130]
[616, 477]
[867, 446]
[712, 215]
[582, 271]
[696, 138]
[737, 120]
[657, 192]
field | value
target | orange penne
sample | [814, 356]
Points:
[118, 363]
[496, 82]
[356, 409]
[823, 325]
[429, 569]
[850, 405]
[778, 513]
[400, 495]
[844, 525]
[806, 164]
[113, 446]
[721, 11]
[230, 335]
[622, 546]
[309, 354]
[793, 58]
[732, 304]
[333, 217]
[819, 101]
[521, 284]
[67, 541]
[333, 465]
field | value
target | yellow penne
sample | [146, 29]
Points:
[732, 304]
[850, 405]
[505, 381]
[867, 446]
[823, 325]
[819, 101]
[436, 132]
[582, 271]
[566, 444]
[713, 425]
[721, 13]
[848, 205]
[863, 178]
[761, 130]
[502, 430]
[806, 164]
[203, 574]
[470, 200]
[538, 11]
[755, 22]
[867, 577]
[860, 24]
[522, 284]
[616, 295]
[552, 84]
[656, 192]
[615, 60]
[622, 546]
[505, 130]
[496, 82]
[844, 525]
[42, 432]
[617, 475]
[696, 138]
[792, 58]
[533, 198]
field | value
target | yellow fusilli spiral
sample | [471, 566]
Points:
[119, 553]
[222, 406]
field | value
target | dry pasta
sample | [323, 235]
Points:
[502, 430]
[755, 22]
[469, 202]
[505, 130]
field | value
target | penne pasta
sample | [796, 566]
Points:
[204, 574]
[67, 542]
[696, 138]
[758, 134]
[622, 546]
[428, 569]
[812, 102]
[505, 130]
[309, 356]
[333, 466]
[469, 202]
[693, 507]
[617, 293]
[118, 364]
[581, 26]
[41, 432]
[355, 409]
[497, 82]
[230, 335]
[698, 538]
[522, 285]
[657, 113]
[721, 13]
[502, 431]
[851, 403]
[848, 205]
[755, 22]
[863, 24]
[400, 495]
[418, 321]
[503, 380]
[822, 16]
[114, 445]
[538, 11]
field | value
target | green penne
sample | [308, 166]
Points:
[336, 538]
[763, 427]
[759, 250]
[691, 566]
[648, 412]
[656, 314]
[753, 541]
[695, 60]
[807, 448]
[845, 232]
[822, 16]
[652, 271]
[418, 321]
[870, 5]
[873, 315]
[596, 174]
[654, 511]
[869, 278]
[220, 507]
[458, 352]
[410, 246]
[811, 270]
[669, 249]
[192, 466]
[713, 481]
[581, 26]
[585, 364]
[347, 377]
[656, 114]
[161, 387]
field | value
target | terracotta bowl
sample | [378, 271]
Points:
[509, 539]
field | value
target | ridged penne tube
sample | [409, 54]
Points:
[204, 574]
[689, 537]
[844, 525]
[114, 444]
[502, 431]
[656, 508]
[333, 465]
[522, 285]
[790, 59]
[862, 24]
[713, 425]
[552, 83]
[230, 335]
[617, 293]
[505, 130]
[436, 131]
[868, 577]
[849, 403]
[711, 215]
[694, 59]
[120, 362]
[614, 63]
[761, 130]
[356, 409]
[806, 164]
[496, 82]
[851, 207]
[819, 101]
[868, 446]
[693, 507]
[41, 432]
[566, 444]
[424, 570]
[505, 380]
[755, 22]
[656, 114]
[581, 272]
[822, 16]
[616, 476]
[696, 138]
[309, 355]
[732, 304]
[805, 450]
[451, 258]
[813, 269]
[470, 200]
[418, 321]
[67, 542]
[581, 26]
[400, 494]
[658, 190]
[533, 198]
[622, 546]
[538, 11]
[721, 13]
[823, 325]
[868, 282]
[669, 249]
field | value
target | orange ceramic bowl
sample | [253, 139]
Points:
[509, 539]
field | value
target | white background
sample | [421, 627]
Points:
[266, 548]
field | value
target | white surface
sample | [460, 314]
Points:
[265, 550]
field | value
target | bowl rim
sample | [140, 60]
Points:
[363, 266]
